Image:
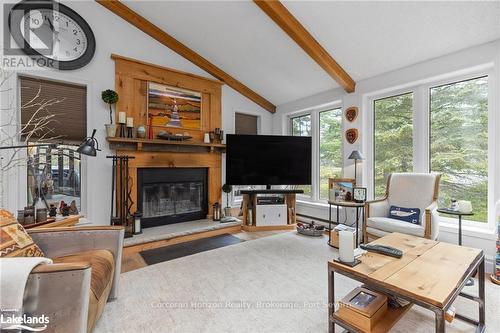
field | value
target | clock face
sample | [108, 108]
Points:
[359, 194]
[54, 32]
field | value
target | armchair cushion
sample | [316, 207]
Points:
[14, 240]
[416, 190]
[392, 225]
[102, 264]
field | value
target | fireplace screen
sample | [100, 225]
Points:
[172, 199]
[171, 195]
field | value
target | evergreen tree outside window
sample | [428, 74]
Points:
[393, 138]
[301, 126]
[459, 143]
[330, 148]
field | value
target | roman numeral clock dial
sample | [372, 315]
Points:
[53, 32]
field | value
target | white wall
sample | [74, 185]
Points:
[114, 35]
[485, 57]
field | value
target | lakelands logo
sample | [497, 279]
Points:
[24, 322]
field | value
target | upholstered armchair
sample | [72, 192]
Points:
[410, 190]
[73, 290]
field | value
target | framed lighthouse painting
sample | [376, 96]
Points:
[174, 107]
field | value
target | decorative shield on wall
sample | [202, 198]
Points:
[351, 135]
[351, 113]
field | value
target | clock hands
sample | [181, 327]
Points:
[51, 25]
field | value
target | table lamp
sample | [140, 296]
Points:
[356, 155]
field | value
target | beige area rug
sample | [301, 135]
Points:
[272, 284]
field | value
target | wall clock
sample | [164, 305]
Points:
[52, 32]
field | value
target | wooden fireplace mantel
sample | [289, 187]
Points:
[131, 81]
[164, 145]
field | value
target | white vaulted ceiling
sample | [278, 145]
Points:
[366, 38]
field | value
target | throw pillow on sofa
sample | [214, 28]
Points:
[411, 215]
[14, 240]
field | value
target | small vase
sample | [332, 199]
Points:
[141, 132]
[110, 130]
[227, 211]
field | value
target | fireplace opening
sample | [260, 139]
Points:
[171, 195]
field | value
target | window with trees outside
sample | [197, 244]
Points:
[330, 148]
[393, 138]
[459, 142]
[301, 126]
[53, 111]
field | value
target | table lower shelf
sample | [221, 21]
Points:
[391, 317]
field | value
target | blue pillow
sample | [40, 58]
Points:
[411, 215]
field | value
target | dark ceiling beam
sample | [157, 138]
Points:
[286, 21]
[161, 36]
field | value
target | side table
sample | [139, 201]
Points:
[448, 211]
[345, 204]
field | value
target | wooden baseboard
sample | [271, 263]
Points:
[180, 239]
[252, 228]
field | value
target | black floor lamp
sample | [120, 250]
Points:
[356, 155]
[89, 147]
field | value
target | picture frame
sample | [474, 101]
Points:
[359, 194]
[174, 107]
[341, 189]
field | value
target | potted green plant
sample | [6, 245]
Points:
[110, 97]
[226, 188]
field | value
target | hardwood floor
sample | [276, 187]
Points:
[132, 259]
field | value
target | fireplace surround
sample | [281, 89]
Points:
[171, 195]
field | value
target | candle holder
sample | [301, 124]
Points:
[351, 264]
[122, 130]
[130, 133]
[150, 129]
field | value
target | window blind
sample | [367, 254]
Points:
[245, 124]
[53, 110]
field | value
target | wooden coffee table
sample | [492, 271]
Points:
[430, 274]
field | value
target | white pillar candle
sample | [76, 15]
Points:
[130, 122]
[137, 225]
[346, 246]
[122, 117]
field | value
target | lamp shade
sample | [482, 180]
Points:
[89, 146]
[356, 155]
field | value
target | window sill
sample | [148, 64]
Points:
[314, 204]
[468, 230]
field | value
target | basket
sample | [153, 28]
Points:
[310, 232]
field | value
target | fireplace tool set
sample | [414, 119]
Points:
[121, 200]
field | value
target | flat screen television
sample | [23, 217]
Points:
[268, 160]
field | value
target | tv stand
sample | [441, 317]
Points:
[268, 214]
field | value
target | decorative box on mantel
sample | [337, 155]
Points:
[132, 78]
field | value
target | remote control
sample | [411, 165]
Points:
[387, 250]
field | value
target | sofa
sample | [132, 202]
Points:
[73, 291]
[84, 274]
